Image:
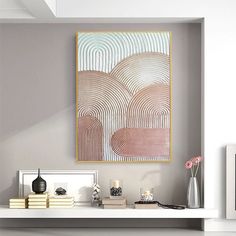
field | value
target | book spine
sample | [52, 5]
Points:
[50, 200]
[70, 204]
[113, 202]
[61, 206]
[114, 206]
[17, 207]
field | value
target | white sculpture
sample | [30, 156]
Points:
[96, 199]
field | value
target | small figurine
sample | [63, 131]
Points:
[96, 199]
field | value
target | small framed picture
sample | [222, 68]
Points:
[230, 182]
[77, 183]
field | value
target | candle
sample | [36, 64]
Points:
[116, 183]
[146, 195]
[115, 188]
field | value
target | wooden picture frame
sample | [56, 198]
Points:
[123, 96]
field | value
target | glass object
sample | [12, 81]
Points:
[146, 194]
[115, 188]
[193, 193]
[96, 199]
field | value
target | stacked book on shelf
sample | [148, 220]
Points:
[18, 203]
[146, 205]
[61, 202]
[119, 203]
[37, 201]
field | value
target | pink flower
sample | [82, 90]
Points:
[188, 164]
[196, 160]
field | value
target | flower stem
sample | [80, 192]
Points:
[197, 169]
[191, 172]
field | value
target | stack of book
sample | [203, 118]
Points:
[119, 203]
[145, 205]
[18, 203]
[38, 200]
[61, 202]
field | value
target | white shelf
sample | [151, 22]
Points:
[90, 212]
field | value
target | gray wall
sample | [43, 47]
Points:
[1, 80]
[38, 108]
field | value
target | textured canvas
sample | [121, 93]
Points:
[123, 96]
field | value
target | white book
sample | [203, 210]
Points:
[146, 206]
[18, 204]
[61, 199]
[37, 207]
[37, 203]
[41, 195]
[18, 200]
[17, 207]
[108, 201]
[37, 199]
[71, 206]
[114, 206]
[61, 203]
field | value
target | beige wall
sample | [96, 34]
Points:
[38, 108]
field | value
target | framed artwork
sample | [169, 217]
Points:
[77, 183]
[123, 96]
[230, 181]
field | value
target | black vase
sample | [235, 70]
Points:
[39, 185]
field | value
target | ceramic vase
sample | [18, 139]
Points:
[39, 185]
[193, 193]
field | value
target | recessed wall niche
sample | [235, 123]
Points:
[38, 107]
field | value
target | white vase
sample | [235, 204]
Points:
[193, 193]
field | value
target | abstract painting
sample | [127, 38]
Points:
[123, 96]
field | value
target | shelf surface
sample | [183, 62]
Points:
[91, 212]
